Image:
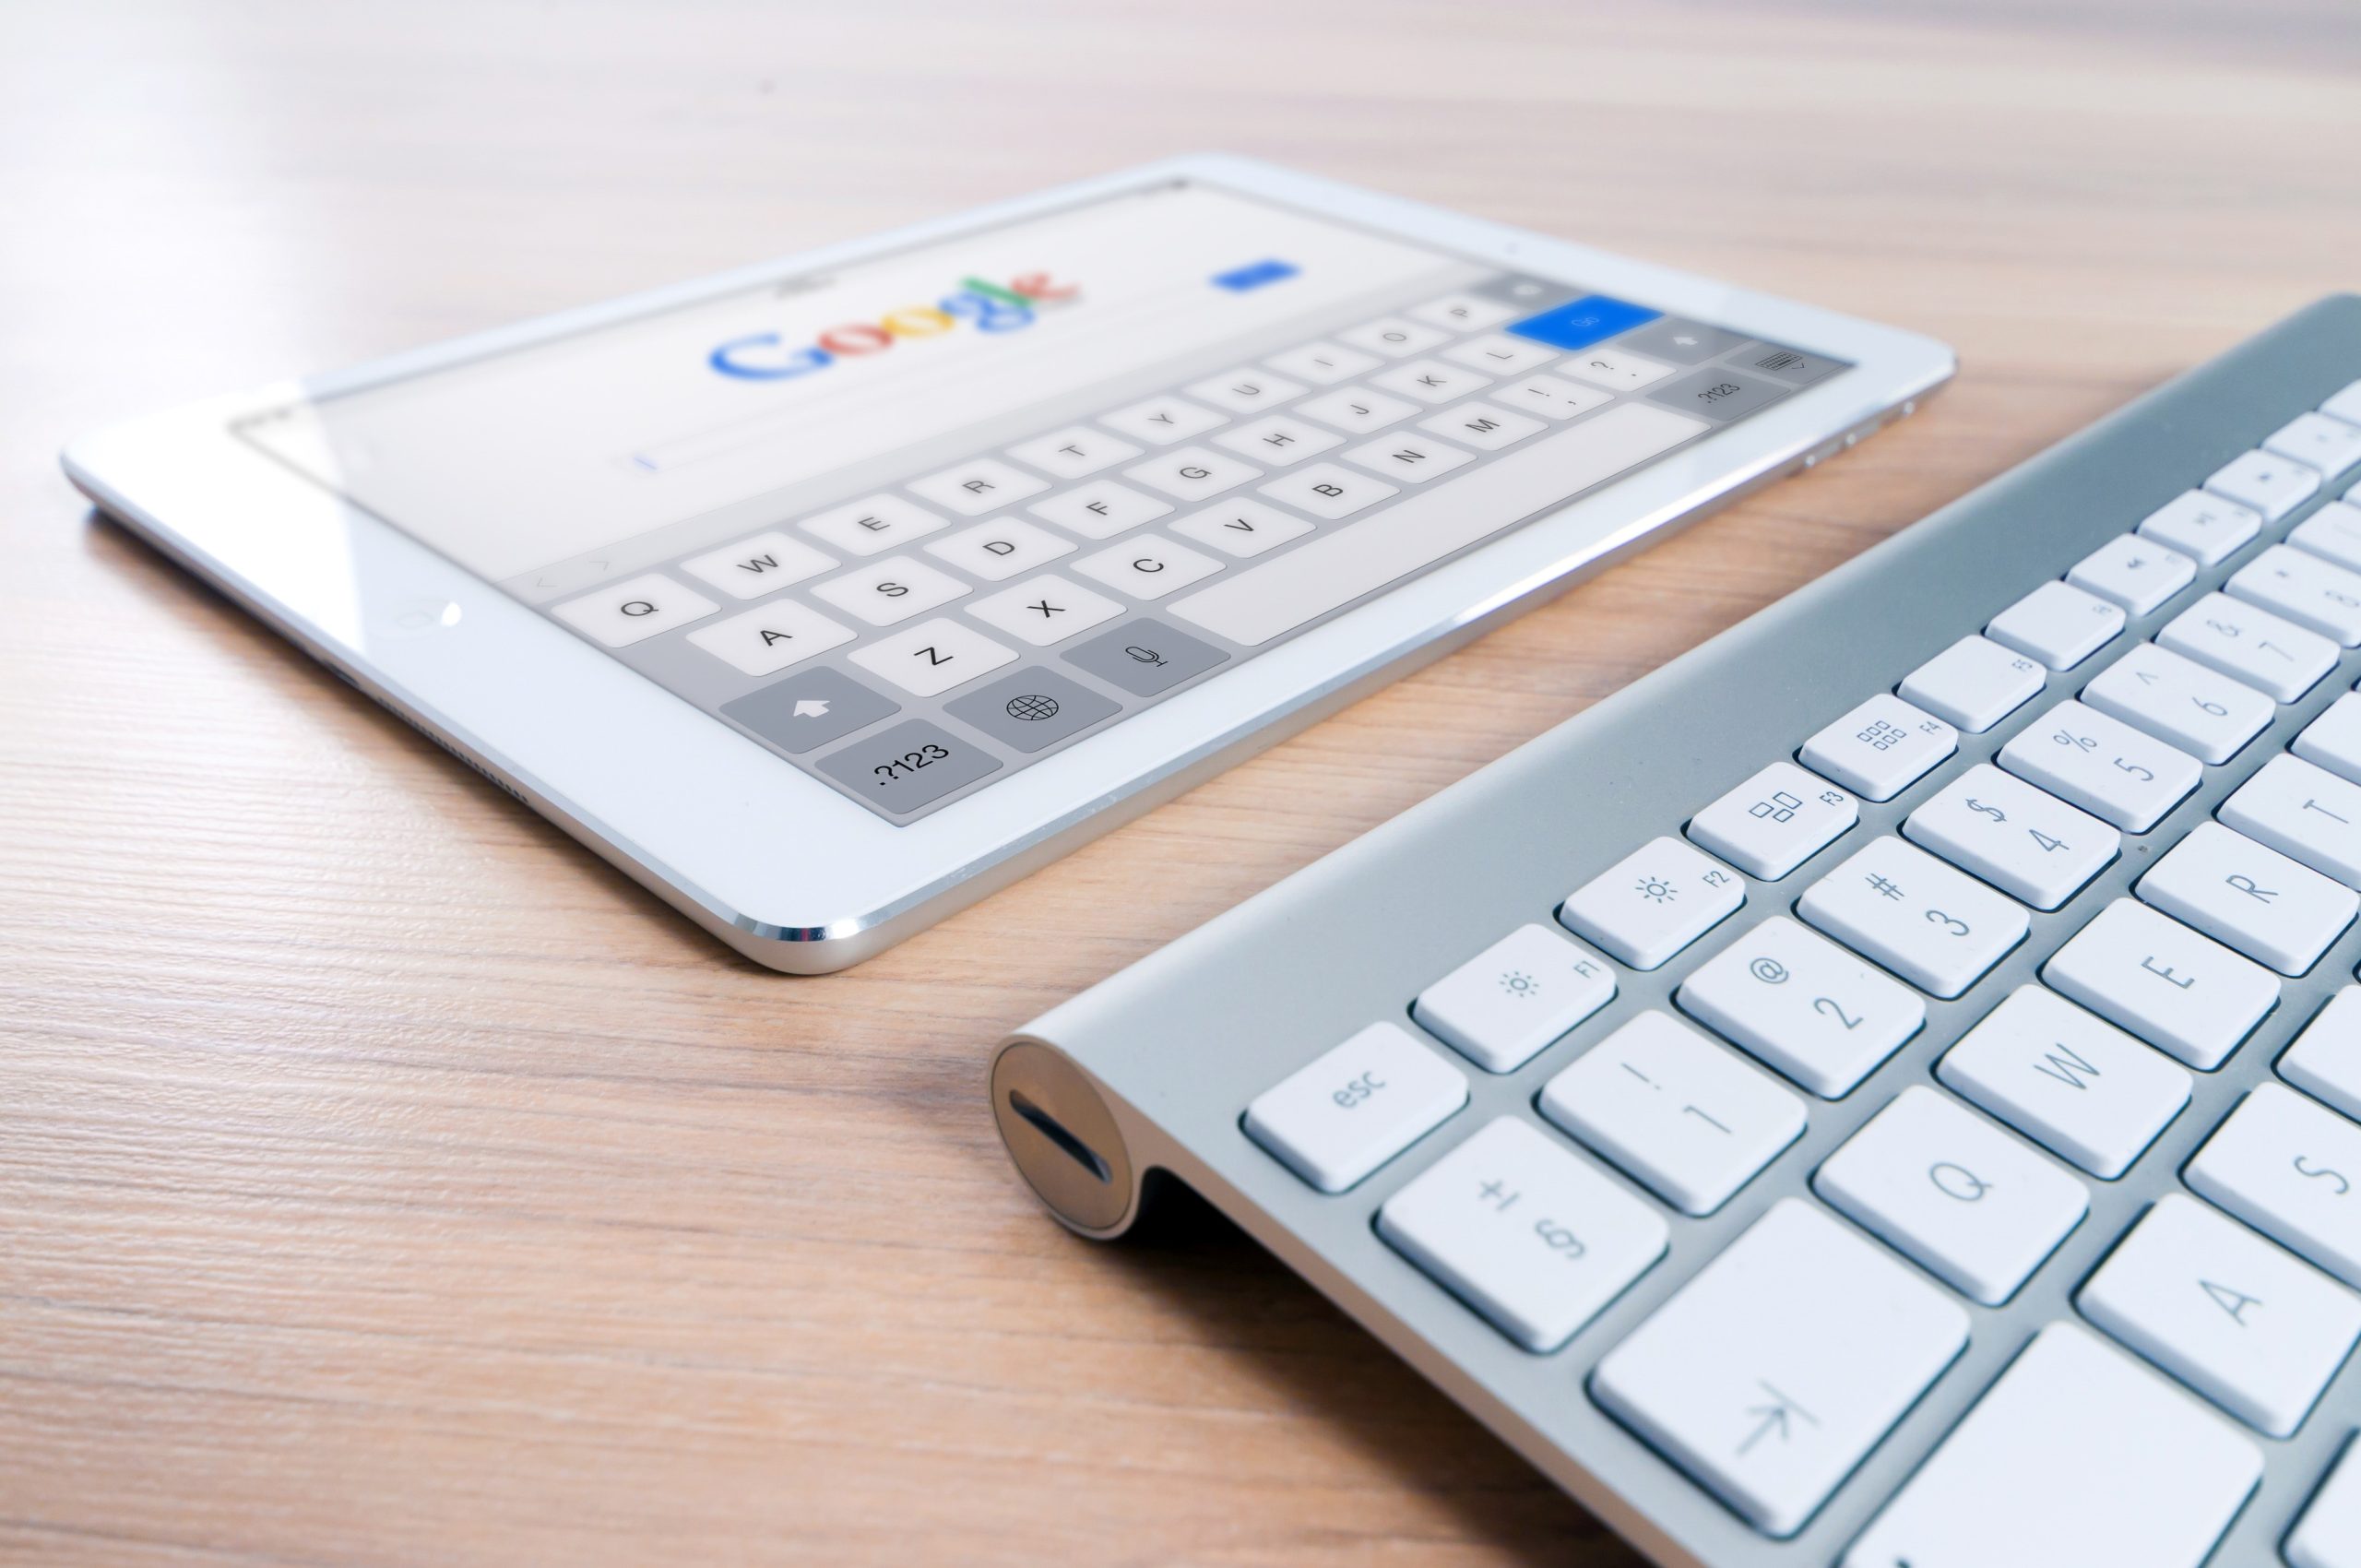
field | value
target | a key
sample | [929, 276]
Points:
[2137, 574]
[2271, 484]
[1357, 1106]
[1654, 902]
[2057, 623]
[1523, 1231]
[1938, 928]
[1803, 1004]
[1787, 1357]
[1775, 821]
[2266, 651]
[2204, 527]
[2325, 1061]
[2329, 1535]
[1974, 684]
[2250, 1327]
[1685, 1118]
[2181, 992]
[2332, 533]
[2309, 591]
[2304, 811]
[1502, 1006]
[1881, 748]
[2250, 897]
[2334, 739]
[2180, 701]
[2071, 1081]
[1965, 1201]
[2102, 765]
[2077, 1457]
[2029, 844]
[2327, 445]
[2286, 1165]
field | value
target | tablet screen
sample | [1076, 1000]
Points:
[919, 521]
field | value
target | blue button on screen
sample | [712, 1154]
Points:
[1238, 280]
[1584, 321]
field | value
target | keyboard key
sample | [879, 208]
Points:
[2334, 739]
[887, 592]
[2346, 405]
[1523, 1231]
[622, 614]
[2134, 573]
[1956, 1195]
[1654, 902]
[1483, 426]
[1614, 368]
[2324, 444]
[2307, 590]
[1148, 568]
[1431, 382]
[2204, 527]
[2181, 702]
[1192, 473]
[2250, 897]
[1881, 748]
[873, 526]
[1245, 390]
[1771, 1374]
[1326, 491]
[2078, 1456]
[2332, 533]
[2273, 485]
[2329, 1535]
[752, 568]
[1502, 1006]
[1496, 353]
[1047, 610]
[2057, 623]
[1100, 509]
[1356, 410]
[2077, 1085]
[1001, 549]
[1938, 928]
[1075, 452]
[2181, 992]
[1413, 459]
[2030, 845]
[1974, 684]
[1803, 1004]
[2325, 1061]
[1551, 396]
[932, 656]
[2244, 1324]
[1461, 313]
[1357, 1106]
[1680, 1115]
[1242, 527]
[2286, 1165]
[1279, 440]
[1160, 422]
[1393, 338]
[770, 637]
[1324, 364]
[2305, 812]
[908, 765]
[1775, 821]
[978, 486]
[2103, 765]
[1145, 656]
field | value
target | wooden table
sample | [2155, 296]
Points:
[383, 1181]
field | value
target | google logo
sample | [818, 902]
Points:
[988, 307]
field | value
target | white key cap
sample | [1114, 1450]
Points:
[2133, 572]
[1357, 410]
[2273, 485]
[2181, 702]
[1502, 1006]
[769, 638]
[2346, 405]
[2306, 813]
[1324, 363]
[1357, 1106]
[1881, 748]
[1431, 382]
[2244, 1324]
[1803, 1004]
[1614, 368]
[2325, 444]
[2329, 1535]
[2077, 1085]
[2204, 527]
[1412, 458]
[1048, 609]
[1496, 353]
[978, 486]
[1938, 928]
[2077, 1457]
[1461, 313]
[1242, 527]
[2181, 992]
[1551, 396]
[1327, 491]
[1775, 821]
[1101, 509]
[1149, 568]
[1769, 1375]
[1964, 1200]
[1279, 440]
[1974, 684]
[932, 656]
[1654, 902]
[2334, 739]
[1001, 549]
[1075, 452]
[752, 568]
[2029, 844]
[2307, 590]
[1244, 391]
[1192, 473]
[887, 592]
[873, 526]
[2325, 1061]
[1394, 338]
[1484, 426]
[1523, 1231]
[2057, 623]
[2103, 765]
[2250, 897]
[2332, 533]
[622, 614]
[2287, 1166]
[1160, 422]
[1684, 1117]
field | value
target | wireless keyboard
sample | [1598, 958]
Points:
[1884, 1089]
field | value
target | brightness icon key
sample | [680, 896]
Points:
[1500, 1007]
[1654, 902]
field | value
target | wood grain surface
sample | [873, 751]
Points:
[383, 1180]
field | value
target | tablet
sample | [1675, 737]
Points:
[826, 595]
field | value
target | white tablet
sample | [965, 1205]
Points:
[826, 596]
